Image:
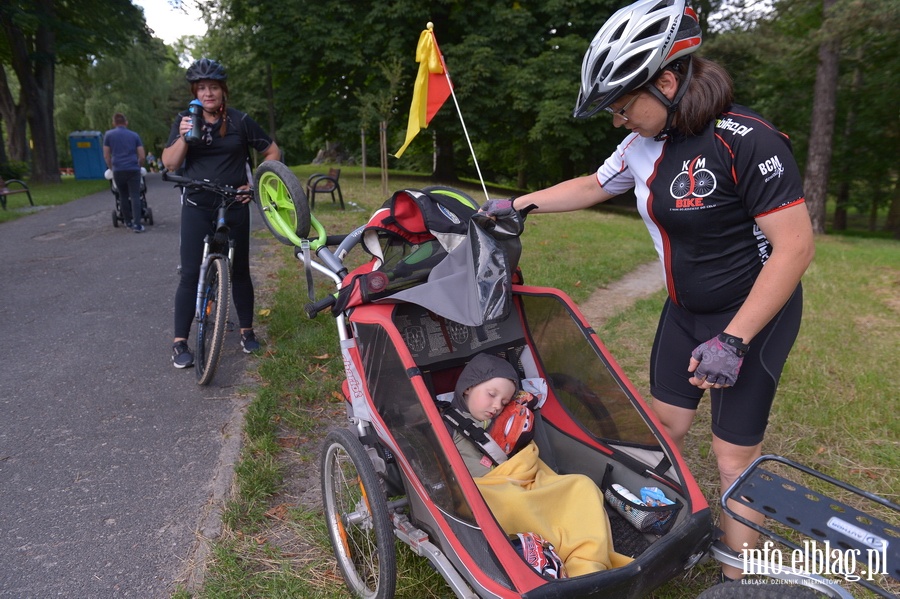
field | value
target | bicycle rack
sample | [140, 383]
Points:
[836, 531]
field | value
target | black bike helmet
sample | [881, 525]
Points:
[206, 68]
[632, 48]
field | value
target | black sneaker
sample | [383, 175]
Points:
[249, 342]
[138, 228]
[181, 355]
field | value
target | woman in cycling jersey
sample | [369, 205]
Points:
[221, 155]
[721, 195]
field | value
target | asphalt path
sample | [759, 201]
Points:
[113, 464]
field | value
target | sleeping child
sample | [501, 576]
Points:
[524, 494]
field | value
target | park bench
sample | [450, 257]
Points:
[6, 191]
[319, 183]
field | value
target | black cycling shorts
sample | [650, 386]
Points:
[740, 413]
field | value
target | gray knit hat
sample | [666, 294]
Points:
[481, 368]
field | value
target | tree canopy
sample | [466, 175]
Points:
[39, 35]
[317, 74]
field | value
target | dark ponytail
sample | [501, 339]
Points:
[710, 91]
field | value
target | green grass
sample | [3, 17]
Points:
[45, 194]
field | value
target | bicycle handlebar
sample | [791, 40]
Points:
[313, 308]
[207, 185]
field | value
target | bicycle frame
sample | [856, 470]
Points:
[211, 250]
[212, 303]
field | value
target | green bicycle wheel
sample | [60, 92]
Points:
[282, 202]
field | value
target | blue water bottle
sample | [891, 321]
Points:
[193, 136]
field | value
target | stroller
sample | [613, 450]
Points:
[117, 214]
[394, 471]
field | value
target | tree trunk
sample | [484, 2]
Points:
[3, 158]
[839, 223]
[7, 110]
[522, 171]
[893, 217]
[270, 105]
[873, 208]
[33, 59]
[13, 115]
[443, 159]
[818, 160]
[382, 134]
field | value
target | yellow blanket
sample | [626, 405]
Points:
[525, 495]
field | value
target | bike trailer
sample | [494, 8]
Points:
[394, 471]
[400, 356]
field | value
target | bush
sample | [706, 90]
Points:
[14, 170]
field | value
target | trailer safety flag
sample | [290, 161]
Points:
[432, 87]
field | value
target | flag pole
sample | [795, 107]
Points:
[466, 133]
[462, 121]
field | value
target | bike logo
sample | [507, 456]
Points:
[771, 168]
[730, 125]
[692, 184]
[450, 216]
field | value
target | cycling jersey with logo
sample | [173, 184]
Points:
[224, 160]
[699, 197]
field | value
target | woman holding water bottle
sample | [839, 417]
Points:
[212, 140]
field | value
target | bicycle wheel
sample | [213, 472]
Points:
[282, 202]
[211, 323]
[357, 517]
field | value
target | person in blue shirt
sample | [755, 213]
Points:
[124, 154]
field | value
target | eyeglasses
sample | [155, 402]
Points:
[621, 111]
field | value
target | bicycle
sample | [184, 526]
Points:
[214, 283]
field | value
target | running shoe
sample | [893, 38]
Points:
[181, 355]
[249, 342]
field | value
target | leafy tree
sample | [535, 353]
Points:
[773, 61]
[38, 35]
[515, 70]
[137, 83]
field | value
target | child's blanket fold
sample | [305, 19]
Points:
[525, 495]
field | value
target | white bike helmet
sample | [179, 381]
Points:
[632, 48]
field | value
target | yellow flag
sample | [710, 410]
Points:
[432, 86]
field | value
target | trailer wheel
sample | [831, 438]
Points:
[742, 590]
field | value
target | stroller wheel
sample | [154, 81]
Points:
[115, 219]
[356, 514]
[148, 216]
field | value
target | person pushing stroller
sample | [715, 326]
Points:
[124, 153]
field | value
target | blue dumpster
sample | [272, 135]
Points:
[87, 154]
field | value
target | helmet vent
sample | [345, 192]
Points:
[601, 64]
[629, 68]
